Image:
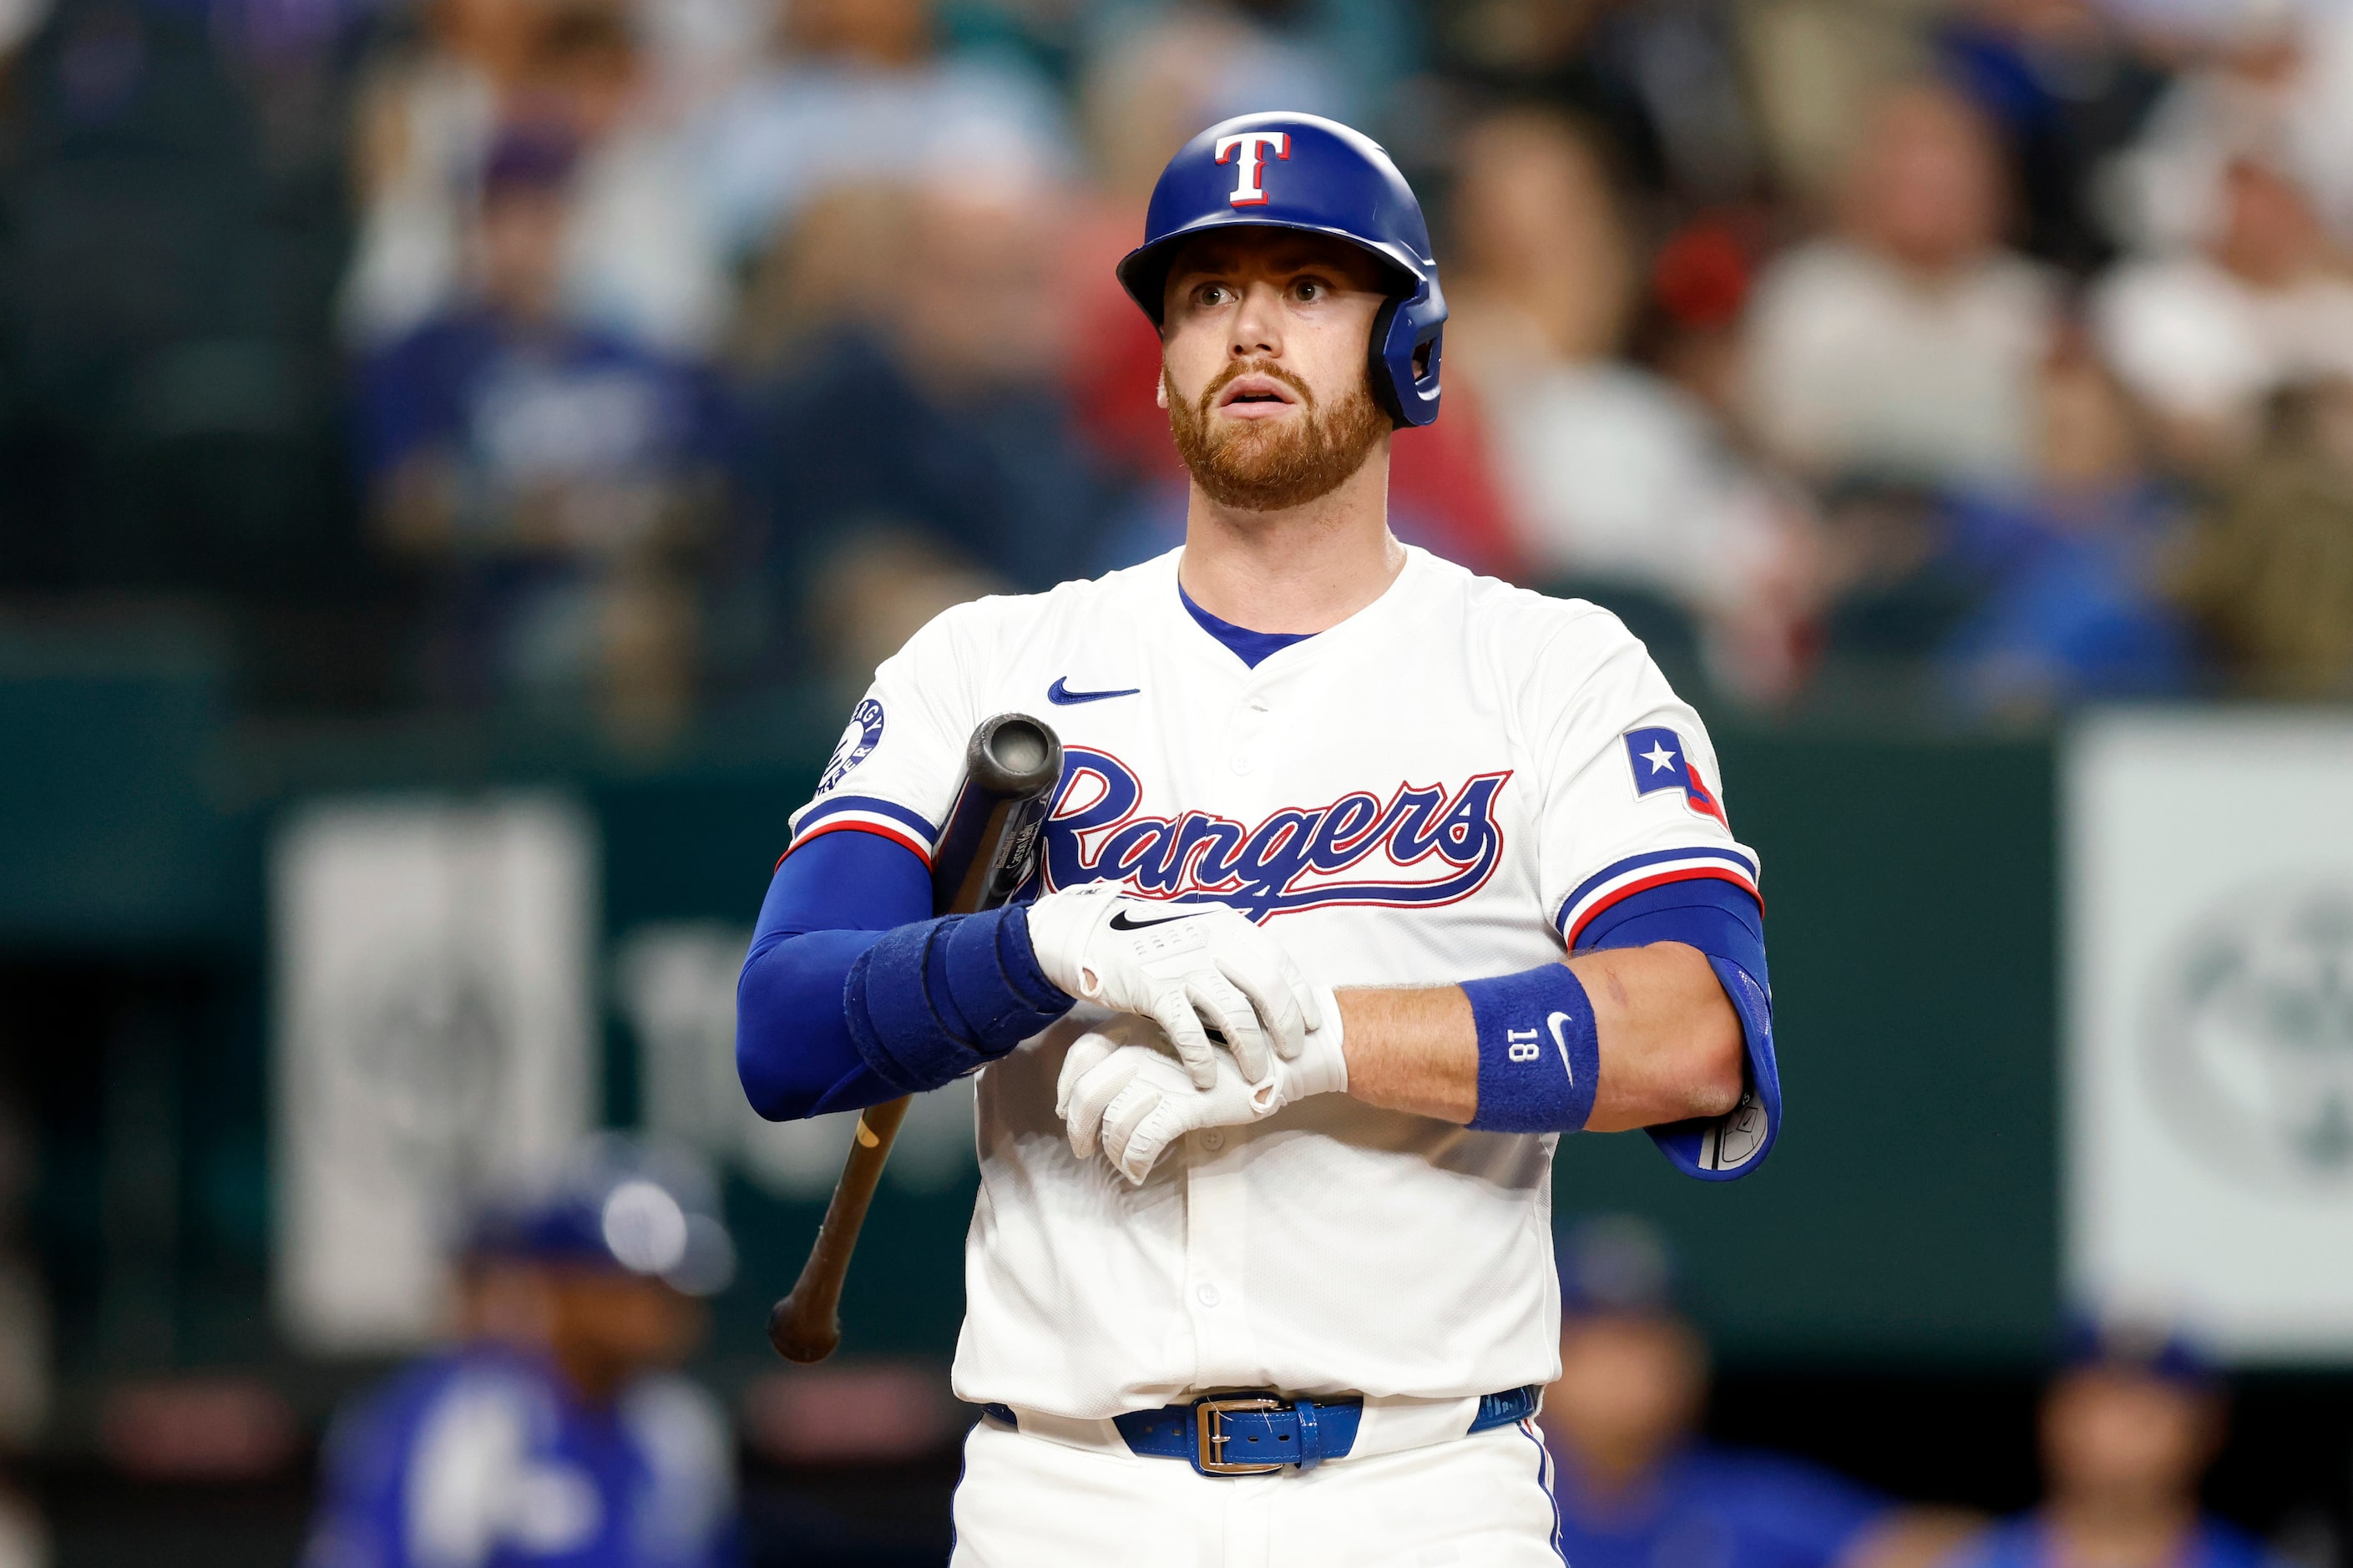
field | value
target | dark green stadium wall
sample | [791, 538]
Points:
[1909, 1210]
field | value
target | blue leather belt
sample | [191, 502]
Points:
[1251, 1432]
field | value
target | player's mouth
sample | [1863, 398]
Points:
[1256, 398]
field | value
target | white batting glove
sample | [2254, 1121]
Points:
[1122, 1091]
[1190, 968]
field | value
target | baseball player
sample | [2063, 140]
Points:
[554, 1435]
[1367, 878]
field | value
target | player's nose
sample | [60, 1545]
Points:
[1258, 324]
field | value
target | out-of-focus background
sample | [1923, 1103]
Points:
[459, 459]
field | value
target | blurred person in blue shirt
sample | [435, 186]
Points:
[553, 480]
[554, 1435]
[1637, 1487]
[922, 449]
[2071, 604]
[2129, 1425]
[858, 92]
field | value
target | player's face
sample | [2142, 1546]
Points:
[609, 1327]
[2125, 1437]
[1264, 365]
[1631, 1387]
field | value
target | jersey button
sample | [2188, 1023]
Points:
[1208, 1295]
[1243, 762]
[1213, 1141]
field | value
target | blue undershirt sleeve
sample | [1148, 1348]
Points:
[829, 901]
[1727, 924]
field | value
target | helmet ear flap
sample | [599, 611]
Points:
[1405, 353]
[1384, 379]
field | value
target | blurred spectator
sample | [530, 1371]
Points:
[926, 452]
[2067, 90]
[1905, 346]
[2074, 603]
[2206, 336]
[426, 114]
[2269, 575]
[1158, 71]
[1660, 82]
[2128, 1426]
[2274, 80]
[555, 1432]
[1816, 69]
[702, 49]
[1616, 479]
[1638, 1489]
[857, 95]
[637, 257]
[552, 478]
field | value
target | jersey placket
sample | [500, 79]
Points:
[1217, 1187]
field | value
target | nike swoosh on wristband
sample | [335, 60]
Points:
[1062, 696]
[1554, 1024]
[1119, 920]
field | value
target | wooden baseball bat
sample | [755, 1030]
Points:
[985, 852]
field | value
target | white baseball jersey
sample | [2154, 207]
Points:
[1445, 786]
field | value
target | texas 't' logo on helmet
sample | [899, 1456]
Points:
[1252, 146]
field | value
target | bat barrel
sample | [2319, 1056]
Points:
[1013, 756]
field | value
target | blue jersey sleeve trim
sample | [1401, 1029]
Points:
[884, 818]
[1640, 873]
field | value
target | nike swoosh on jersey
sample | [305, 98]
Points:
[1119, 920]
[1554, 1024]
[1062, 696]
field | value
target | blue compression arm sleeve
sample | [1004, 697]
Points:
[829, 901]
[1727, 925]
[851, 995]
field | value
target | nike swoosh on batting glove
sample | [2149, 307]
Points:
[1191, 968]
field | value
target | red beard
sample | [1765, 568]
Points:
[1273, 465]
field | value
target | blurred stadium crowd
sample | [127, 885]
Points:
[617, 359]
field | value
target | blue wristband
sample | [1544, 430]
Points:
[937, 999]
[1539, 1056]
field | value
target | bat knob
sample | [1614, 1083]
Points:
[800, 1336]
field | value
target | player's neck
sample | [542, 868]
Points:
[1303, 569]
[2099, 1532]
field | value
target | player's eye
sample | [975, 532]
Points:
[1211, 294]
[1308, 288]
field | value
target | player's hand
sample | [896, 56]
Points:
[1122, 1091]
[1191, 968]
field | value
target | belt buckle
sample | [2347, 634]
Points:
[1209, 1435]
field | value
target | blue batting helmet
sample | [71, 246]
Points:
[1300, 172]
[616, 1206]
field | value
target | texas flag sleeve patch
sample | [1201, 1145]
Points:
[1659, 762]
